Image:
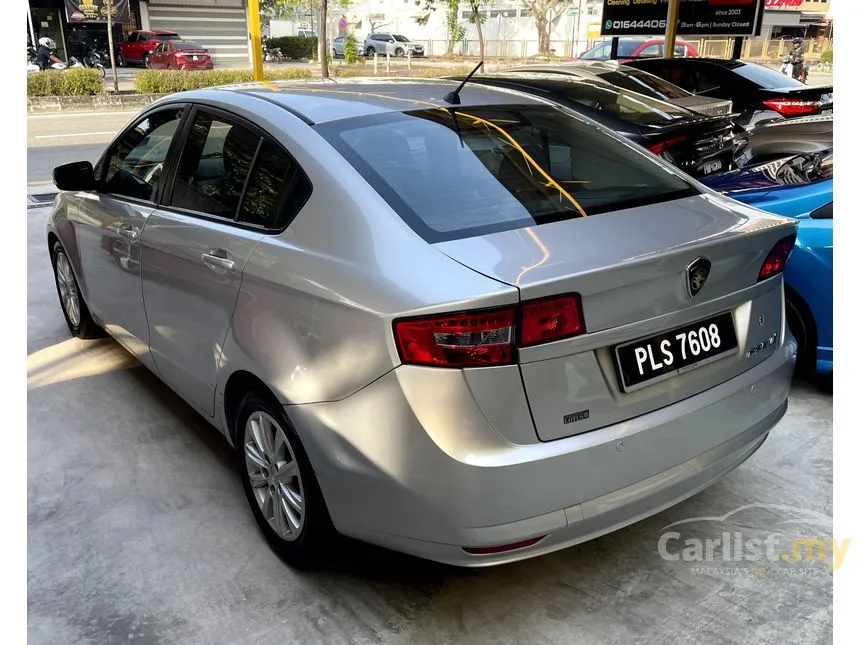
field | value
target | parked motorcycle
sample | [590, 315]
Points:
[95, 59]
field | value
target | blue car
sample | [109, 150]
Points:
[799, 187]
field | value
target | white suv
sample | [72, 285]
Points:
[393, 44]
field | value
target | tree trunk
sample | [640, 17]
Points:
[480, 33]
[109, 7]
[543, 27]
[323, 48]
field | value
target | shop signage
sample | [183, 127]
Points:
[97, 11]
[782, 4]
[695, 17]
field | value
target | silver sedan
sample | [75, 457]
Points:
[469, 326]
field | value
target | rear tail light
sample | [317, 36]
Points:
[543, 321]
[487, 337]
[458, 340]
[789, 107]
[775, 261]
[502, 548]
[662, 146]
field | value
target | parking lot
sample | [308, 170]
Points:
[139, 533]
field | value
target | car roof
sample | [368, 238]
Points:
[321, 101]
[157, 32]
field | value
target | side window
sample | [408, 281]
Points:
[599, 53]
[651, 51]
[681, 51]
[215, 163]
[277, 189]
[133, 166]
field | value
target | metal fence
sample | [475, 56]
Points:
[754, 49]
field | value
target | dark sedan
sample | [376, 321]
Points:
[758, 93]
[697, 144]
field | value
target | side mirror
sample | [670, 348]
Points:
[78, 175]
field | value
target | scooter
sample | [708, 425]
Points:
[788, 69]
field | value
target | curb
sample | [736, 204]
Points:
[97, 103]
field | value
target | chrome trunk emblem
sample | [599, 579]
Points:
[697, 274]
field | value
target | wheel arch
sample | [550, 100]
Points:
[240, 383]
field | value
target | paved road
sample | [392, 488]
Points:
[138, 532]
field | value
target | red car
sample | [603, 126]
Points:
[179, 54]
[631, 47]
[140, 44]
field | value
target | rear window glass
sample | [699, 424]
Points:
[454, 173]
[631, 107]
[186, 46]
[764, 76]
[644, 83]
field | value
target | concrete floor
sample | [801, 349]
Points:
[139, 533]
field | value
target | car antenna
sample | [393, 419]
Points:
[454, 97]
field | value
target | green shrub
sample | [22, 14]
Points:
[350, 50]
[155, 81]
[827, 57]
[293, 47]
[70, 82]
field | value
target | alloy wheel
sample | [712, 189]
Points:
[68, 289]
[273, 473]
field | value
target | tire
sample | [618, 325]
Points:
[802, 326]
[370, 51]
[334, 53]
[120, 59]
[301, 535]
[146, 61]
[101, 68]
[75, 310]
[399, 53]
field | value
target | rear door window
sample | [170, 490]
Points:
[453, 173]
[277, 189]
[214, 166]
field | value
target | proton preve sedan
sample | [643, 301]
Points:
[468, 326]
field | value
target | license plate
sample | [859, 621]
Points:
[665, 355]
[827, 111]
[711, 166]
[194, 58]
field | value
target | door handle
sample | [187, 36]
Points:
[218, 260]
[127, 231]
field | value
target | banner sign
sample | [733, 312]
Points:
[695, 17]
[96, 10]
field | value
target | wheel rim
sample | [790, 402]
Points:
[68, 290]
[273, 473]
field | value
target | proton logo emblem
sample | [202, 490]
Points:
[697, 274]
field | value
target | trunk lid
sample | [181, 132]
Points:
[631, 269]
[698, 147]
[704, 105]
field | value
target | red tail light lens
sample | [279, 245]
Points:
[487, 337]
[543, 321]
[502, 548]
[788, 107]
[657, 148]
[471, 339]
[775, 261]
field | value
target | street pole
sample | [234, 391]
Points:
[30, 24]
[671, 28]
[109, 7]
[256, 37]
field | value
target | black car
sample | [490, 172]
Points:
[635, 80]
[698, 144]
[758, 93]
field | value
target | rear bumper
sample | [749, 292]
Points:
[430, 479]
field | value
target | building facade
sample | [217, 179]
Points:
[221, 26]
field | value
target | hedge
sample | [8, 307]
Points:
[827, 57]
[153, 81]
[293, 47]
[71, 82]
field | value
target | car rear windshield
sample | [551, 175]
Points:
[765, 76]
[644, 83]
[187, 46]
[630, 107]
[455, 173]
